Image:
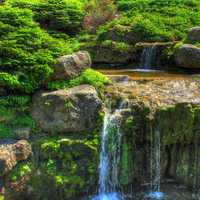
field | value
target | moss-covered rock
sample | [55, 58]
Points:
[62, 168]
[170, 109]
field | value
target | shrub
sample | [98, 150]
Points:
[89, 76]
[26, 51]
[57, 15]
[14, 114]
[155, 20]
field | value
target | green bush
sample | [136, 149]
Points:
[26, 51]
[89, 76]
[14, 114]
[155, 20]
[57, 15]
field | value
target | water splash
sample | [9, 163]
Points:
[109, 186]
[149, 57]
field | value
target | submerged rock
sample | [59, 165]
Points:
[11, 154]
[194, 34]
[188, 56]
[70, 66]
[63, 111]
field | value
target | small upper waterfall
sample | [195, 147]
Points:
[109, 186]
[149, 58]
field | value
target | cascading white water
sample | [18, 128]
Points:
[155, 163]
[109, 186]
[149, 57]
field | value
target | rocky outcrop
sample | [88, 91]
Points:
[188, 56]
[170, 109]
[111, 55]
[11, 154]
[63, 111]
[70, 66]
[194, 34]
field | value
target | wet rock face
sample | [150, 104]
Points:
[70, 66]
[63, 111]
[194, 34]
[11, 154]
[170, 108]
[188, 56]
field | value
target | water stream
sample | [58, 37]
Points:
[109, 186]
[149, 57]
[155, 165]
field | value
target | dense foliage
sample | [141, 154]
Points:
[55, 15]
[89, 76]
[15, 116]
[26, 51]
[155, 20]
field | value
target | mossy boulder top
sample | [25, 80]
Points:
[63, 111]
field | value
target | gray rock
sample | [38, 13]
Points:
[11, 154]
[188, 56]
[194, 34]
[62, 111]
[70, 66]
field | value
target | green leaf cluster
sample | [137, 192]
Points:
[89, 76]
[27, 52]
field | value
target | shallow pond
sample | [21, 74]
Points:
[143, 74]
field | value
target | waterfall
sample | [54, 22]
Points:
[149, 58]
[109, 186]
[155, 165]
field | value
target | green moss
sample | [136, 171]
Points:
[117, 46]
[89, 76]
[176, 124]
[67, 166]
[20, 171]
[14, 114]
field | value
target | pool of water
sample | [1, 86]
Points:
[170, 190]
[143, 74]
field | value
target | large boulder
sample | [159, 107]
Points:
[62, 111]
[188, 56]
[194, 34]
[11, 154]
[70, 66]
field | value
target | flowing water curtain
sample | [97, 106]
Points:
[110, 157]
[149, 57]
[155, 160]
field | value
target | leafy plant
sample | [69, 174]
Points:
[20, 170]
[27, 52]
[89, 76]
